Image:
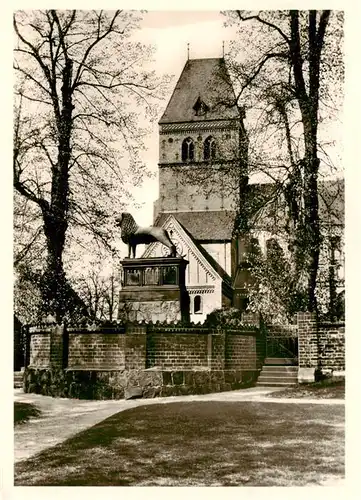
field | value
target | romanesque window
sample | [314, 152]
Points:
[197, 304]
[209, 150]
[187, 150]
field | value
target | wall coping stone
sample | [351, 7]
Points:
[41, 329]
[90, 368]
[105, 329]
[177, 327]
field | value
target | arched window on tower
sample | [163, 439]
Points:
[187, 150]
[209, 149]
[197, 304]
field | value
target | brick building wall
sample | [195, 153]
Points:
[96, 350]
[177, 350]
[332, 346]
[321, 347]
[40, 349]
[144, 346]
[240, 352]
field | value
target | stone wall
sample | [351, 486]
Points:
[195, 187]
[148, 383]
[156, 359]
[170, 143]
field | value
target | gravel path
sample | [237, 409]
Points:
[62, 418]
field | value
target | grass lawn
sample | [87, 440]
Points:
[199, 444]
[24, 411]
[326, 389]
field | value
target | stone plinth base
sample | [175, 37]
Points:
[154, 290]
[168, 311]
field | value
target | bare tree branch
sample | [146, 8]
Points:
[98, 39]
[266, 23]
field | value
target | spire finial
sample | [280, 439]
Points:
[188, 51]
[223, 49]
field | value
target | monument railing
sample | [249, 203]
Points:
[151, 276]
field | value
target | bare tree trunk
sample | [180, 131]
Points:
[308, 103]
[56, 216]
[312, 227]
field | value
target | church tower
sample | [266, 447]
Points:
[200, 136]
[202, 159]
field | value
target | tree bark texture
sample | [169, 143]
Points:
[308, 104]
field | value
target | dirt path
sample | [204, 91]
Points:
[63, 418]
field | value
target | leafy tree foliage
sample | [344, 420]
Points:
[289, 69]
[224, 317]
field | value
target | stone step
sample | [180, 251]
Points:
[281, 361]
[286, 380]
[286, 376]
[275, 384]
[279, 368]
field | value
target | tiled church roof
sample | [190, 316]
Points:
[269, 212]
[203, 81]
[203, 226]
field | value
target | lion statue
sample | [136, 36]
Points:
[133, 235]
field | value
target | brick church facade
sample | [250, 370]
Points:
[202, 158]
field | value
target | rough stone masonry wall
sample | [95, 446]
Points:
[166, 311]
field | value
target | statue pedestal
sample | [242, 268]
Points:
[153, 289]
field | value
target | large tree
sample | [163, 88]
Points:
[82, 87]
[288, 71]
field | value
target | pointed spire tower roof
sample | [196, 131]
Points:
[203, 92]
